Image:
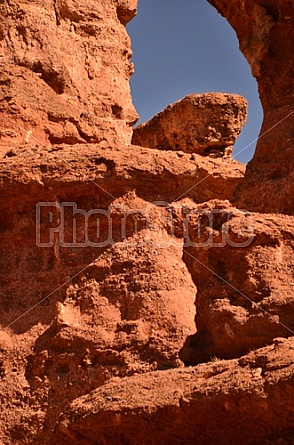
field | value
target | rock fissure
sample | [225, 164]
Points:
[56, 12]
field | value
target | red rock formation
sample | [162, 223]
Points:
[128, 308]
[222, 402]
[265, 32]
[97, 274]
[65, 69]
[208, 124]
[242, 264]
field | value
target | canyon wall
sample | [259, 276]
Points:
[138, 305]
[265, 32]
[65, 69]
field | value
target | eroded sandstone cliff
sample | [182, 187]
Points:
[265, 32]
[65, 68]
[238, 401]
[122, 264]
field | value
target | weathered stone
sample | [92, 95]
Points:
[242, 264]
[65, 69]
[200, 123]
[120, 303]
[108, 284]
[265, 32]
[126, 10]
[218, 403]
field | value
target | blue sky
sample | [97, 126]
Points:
[183, 47]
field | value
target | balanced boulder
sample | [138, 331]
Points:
[200, 123]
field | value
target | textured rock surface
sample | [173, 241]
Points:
[81, 315]
[110, 284]
[265, 32]
[126, 10]
[222, 402]
[200, 123]
[109, 323]
[65, 69]
[242, 264]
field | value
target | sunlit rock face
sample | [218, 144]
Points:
[65, 69]
[265, 33]
[200, 123]
[120, 264]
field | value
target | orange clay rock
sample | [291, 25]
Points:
[129, 312]
[101, 272]
[217, 403]
[200, 123]
[265, 32]
[126, 10]
[243, 267]
[65, 69]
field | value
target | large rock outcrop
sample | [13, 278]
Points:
[265, 32]
[222, 402]
[200, 123]
[65, 69]
[242, 264]
[114, 274]
[111, 298]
